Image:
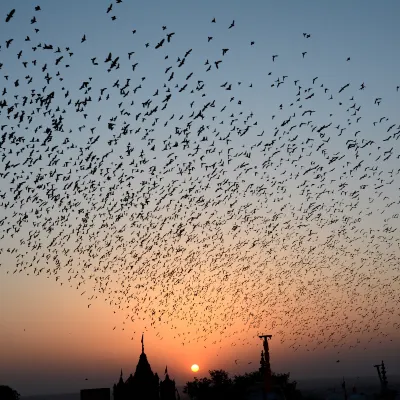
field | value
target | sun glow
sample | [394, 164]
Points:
[194, 367]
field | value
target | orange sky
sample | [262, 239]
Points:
[50, 341]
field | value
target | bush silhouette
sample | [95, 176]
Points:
[220, 386]
[7, 393]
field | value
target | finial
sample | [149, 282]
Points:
[166, 370]
[142, 344]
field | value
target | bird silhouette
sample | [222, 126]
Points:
[131, 175]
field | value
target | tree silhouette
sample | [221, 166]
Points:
[7, 393]
[198, 388]
[221, 384]
[220, 387]
[215, 387]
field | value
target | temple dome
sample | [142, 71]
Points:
[144, 384]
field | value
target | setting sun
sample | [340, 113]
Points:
[194, 367]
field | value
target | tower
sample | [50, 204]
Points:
[119, 388]
[377, 366]
[262, 364]
[384, 378]
[167, 388]
[267, 370]
[386, 392]
[344, 389]
[142, 385]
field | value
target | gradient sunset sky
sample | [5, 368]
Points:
[51, 341]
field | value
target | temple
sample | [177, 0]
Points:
[144, 384]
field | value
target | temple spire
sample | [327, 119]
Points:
[166, 370]
[121, 381]
[142, 344]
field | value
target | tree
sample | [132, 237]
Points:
[7, 393]
[288, 388]
[242, 383]
[221, 384]
[198, 388]
[220, 387]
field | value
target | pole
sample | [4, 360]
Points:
[377, 366]
[344, 389]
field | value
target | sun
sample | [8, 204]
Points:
[194, 367]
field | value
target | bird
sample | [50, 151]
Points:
[10, 15]
[159, 44]
[122, 182]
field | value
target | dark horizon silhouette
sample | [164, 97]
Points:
[259, 384]
[144, 384]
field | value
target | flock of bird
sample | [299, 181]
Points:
[203, 216]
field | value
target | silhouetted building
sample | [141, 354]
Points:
[144, 384]
[167, 388]
[266, 389]
[386, 393]
[95, 394]
[262, 364]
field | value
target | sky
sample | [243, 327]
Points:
[57, 329]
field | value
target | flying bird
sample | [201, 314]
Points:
[10, 15]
